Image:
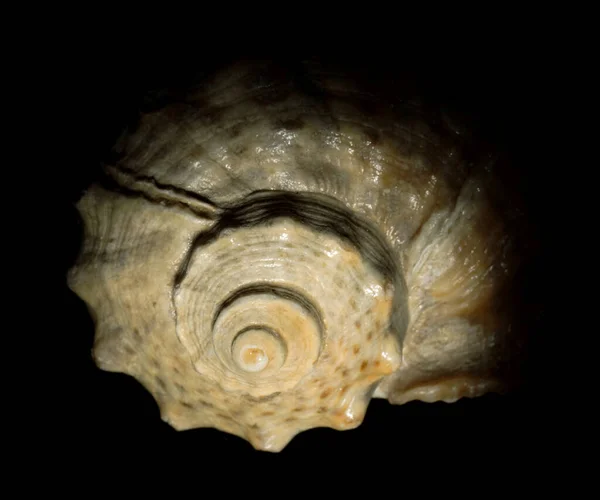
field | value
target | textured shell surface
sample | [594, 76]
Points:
[275, 246]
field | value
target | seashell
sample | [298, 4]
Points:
[278, 245]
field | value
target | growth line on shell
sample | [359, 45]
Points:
[127, 182]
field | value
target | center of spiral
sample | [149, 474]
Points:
[252, 358]
[255, 349]
[265, 338]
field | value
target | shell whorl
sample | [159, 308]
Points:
[279, 284]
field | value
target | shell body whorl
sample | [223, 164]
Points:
[271, 250]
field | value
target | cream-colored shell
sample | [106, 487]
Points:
[274, 249]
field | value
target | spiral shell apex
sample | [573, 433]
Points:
[275, 248]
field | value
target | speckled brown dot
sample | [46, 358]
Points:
[326, 393]
[345, 372]
[239, 149]
[364, 365]
[355, 349]
[353, 303]
[161, 383]
[235, 131]
[290, 419]
[154, 362]
[370, 336]
[267, 413]
[298, 409]
[179, 387]
[129, 350]
[137, 334]
[377, 363]
[357, 324]
[344, 389]
[322, 409]
[187, 405]
[372, 135]
[196, 151]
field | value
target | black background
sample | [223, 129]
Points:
[495, 86]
